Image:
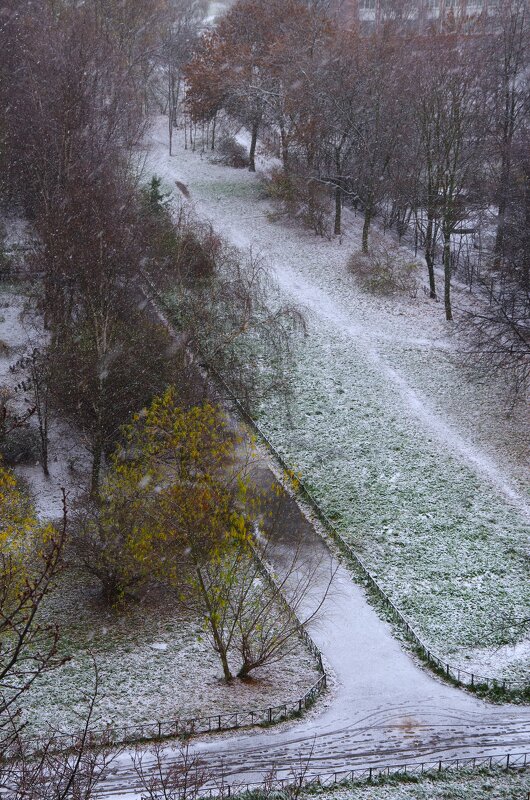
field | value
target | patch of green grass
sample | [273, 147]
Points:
[444, 544]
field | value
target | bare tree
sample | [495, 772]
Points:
[57, 767]
[37, 385]
[448, 95]
[28, 649]
[180, 778]
[506, 50]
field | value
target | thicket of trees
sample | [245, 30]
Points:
[77, 82]
[168, 501]
[425, 129]
[178, 506]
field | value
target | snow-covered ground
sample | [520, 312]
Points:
[153, 662]
[497, 786]
[215, 9]
[414, 460]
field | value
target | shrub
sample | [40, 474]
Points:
[301, 198]
[21, 446]
[385, 269]
[230, 153]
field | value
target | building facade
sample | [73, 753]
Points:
[412, 13]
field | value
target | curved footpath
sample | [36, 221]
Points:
[383, 708]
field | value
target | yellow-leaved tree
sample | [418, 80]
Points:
[177, 506]
[202, 509]
[171, 508]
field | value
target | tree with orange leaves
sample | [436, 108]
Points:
[241, 66]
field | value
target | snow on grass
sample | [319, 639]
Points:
[154, 663]
[417, 464]
[496, 784]
[447, 550]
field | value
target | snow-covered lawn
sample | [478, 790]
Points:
[414, 460]
[153, 662]
[497, 785]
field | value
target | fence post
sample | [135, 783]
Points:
[507, 761]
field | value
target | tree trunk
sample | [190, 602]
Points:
[429, 255]
[501, 213]
[220, 647]
[338, 210]
[43, 432]
[447, 275]
[525, 265]
[366, 227]
[253, 144]
[285, 150]
[338, 194]
[97, 452]
[508, 128]
[244, 672]
[214, 130]
[170, 93]
[224, 660]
